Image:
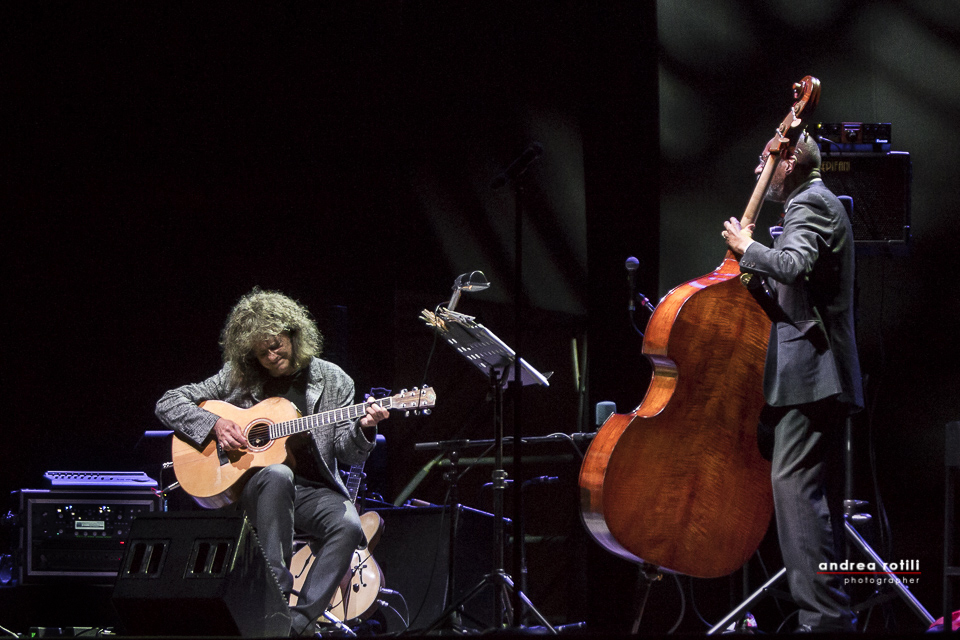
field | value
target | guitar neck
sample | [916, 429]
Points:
[290, 427]
[354, 481]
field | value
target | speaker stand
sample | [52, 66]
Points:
[859, 543]
[452, 477]
[857, 540]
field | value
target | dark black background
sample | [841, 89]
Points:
[162, 160]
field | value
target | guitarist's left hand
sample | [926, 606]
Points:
[375, 413]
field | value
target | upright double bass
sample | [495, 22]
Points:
[680, 482]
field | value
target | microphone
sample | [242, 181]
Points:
[475, 281]
[518, 167]
[604, 410]
[632, 265]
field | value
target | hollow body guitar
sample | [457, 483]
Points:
[356, 597]
[680, 482]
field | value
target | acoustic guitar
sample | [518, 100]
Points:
[215, 478]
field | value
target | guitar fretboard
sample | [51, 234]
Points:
[290, 427]
[354, 480]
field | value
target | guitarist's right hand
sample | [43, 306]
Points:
[229, 435]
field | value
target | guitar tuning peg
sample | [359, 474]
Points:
[402, 391]
[426, 412]
[406, 414]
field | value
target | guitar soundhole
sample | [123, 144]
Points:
[259, 435]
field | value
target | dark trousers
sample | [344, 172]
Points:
[807, 475]
[278, 506]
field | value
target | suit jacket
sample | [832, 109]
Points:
[328, 387]
[812, 353]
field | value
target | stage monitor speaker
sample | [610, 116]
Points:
[198, 574]
[414, 554]
[879, 184]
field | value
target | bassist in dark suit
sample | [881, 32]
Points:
[270, 347]
[811, 376]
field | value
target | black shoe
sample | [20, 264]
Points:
[310, 630]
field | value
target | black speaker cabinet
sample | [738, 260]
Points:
[414, 554]
[198, 574]
[879, 184]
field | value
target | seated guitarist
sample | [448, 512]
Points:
[270, 347]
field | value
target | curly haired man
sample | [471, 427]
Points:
[270, 349]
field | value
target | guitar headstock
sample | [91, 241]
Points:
[417, 400]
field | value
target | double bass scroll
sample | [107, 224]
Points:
[679, 482]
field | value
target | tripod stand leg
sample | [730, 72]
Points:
[500, 581]
[526, 601]
[901, 588]
[455, 606]
[862, 545]
[755, 597]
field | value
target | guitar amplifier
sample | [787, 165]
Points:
[879, 185]
[76, 535]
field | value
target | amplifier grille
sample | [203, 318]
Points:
[879, 184]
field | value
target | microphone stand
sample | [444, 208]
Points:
[518, 542]
[514, 175]
[495, 358]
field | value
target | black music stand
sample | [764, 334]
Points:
[499, 363]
